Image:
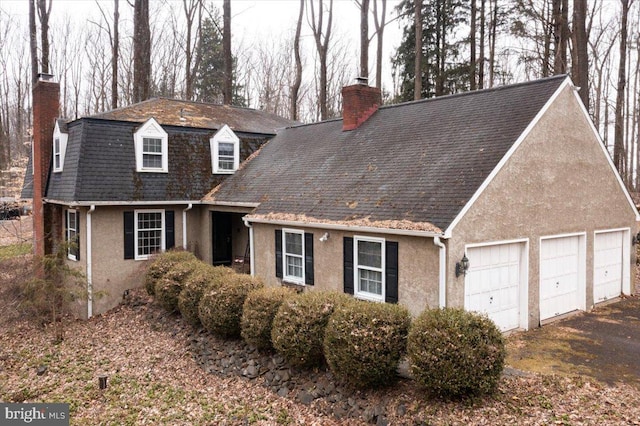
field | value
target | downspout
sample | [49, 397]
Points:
[251, 257]
[184, 225]
[442, 276]
[89, 267]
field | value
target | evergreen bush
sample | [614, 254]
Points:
[364, 342]
[299, 326]
[454, 353]
[169, 286]
[220, 308]
[258, 312]
[193, 287]
[160, 265]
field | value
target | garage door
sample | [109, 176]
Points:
[560, 276]
[607, 264]
[492, 284]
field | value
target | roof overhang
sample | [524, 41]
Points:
[342, 227]
[120, 203]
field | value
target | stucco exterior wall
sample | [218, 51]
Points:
[417, 264]
[558, 181]
[111, 273]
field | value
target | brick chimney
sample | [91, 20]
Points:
[46, 106]
[359, 102]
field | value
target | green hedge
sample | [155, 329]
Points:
[169, 286]
[258, 312]
[454, 353]
[193, 287]
[161, 263]
[299, 326]
[364, 342]
[220, 308]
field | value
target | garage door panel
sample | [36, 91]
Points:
[608, 264]
[560, 276]
[492, 284]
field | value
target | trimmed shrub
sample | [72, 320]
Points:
[299, 326]
[258, 312]
[193, 287]
[455, 353]
[220, 308]
[160, 265]
[364, 341]
[169, 286]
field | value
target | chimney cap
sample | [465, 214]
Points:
[362, 80]
[43, 76]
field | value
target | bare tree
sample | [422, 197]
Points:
[560, 35]
[322, 37]
[417, 91]
[364, 37]
[618, 146]
[114, 41]
[226, 47]
[295, 87]
[380, 23]
[580, 66]
[193, 14]
[44, 12]
[472, 46]
[33, 42]
[141, 51]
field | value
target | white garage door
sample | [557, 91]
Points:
[607, 264]
[492, 284]
[560, 276]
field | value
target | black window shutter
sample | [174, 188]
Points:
[308, 258]
[77, 249]
[129, 229]
[279, 253]
[66, 225]
[169, 229]
[391, 272]
[348, 265]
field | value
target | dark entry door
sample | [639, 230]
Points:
[221, 237]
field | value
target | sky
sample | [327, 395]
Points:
[252, 21]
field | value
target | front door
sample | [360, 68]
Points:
[221, 238]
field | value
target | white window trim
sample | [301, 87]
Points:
[292, 278]
[62, 146]
[76, 213]
[135, 232]
[151, 129]
[226, 135]
[356, 267]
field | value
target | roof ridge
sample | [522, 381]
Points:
[475, 92]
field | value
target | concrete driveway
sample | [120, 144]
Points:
[603, 344]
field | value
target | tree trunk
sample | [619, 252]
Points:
[580, 67]
[115, 55]
[44, 12]
[295, 88]
[480, 64]
[322, 45]
[364, 39]
[417, 91]
[492, 48]
[472, 46]
[33, 42]
[618, 141]
[141, 52]
[380, 24]
[226, 47]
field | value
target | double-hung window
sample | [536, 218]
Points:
[225, 151]
[151, 148]
[369, 268]
[149, 233]
[71, 234]
[293, 255]
[57, 155]
[152, 153]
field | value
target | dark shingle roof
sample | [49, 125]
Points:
[100, 164]
[420, 161]
[199, 115]
[27, 186]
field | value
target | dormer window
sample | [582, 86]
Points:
[59, 148]
[151, 146]
[225, 151]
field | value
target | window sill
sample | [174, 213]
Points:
[152, 171]
[71, 257]
[224, 172]
[369, 297]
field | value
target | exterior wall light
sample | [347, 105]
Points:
[325, 237]
[463, 266]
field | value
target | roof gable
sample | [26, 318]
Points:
[418, 162]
